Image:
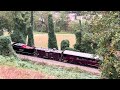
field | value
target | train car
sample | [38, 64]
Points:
[23, 48]
[81, 58]
[49, 53]
[40, 52]
[57, 55]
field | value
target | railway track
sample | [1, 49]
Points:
[60, 64]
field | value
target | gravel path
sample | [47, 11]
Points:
[60, 64]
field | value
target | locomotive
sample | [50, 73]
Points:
[68, 56]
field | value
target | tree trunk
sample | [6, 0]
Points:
[30, 31]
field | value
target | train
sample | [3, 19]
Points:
[65, 56]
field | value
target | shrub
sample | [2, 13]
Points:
[64, 44]
[71, 49]
[17, 36]
[5, 46]
[109, 70]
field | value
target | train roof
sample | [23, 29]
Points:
[49, 50]
[57, 51]
[81, 54]
[39, 48]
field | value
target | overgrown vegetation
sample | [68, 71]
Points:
[5, 46]
[107, 35]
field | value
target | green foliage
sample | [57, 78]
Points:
[3, 24]
[5, 46]
[64, 44]
[6, 21]
[106, 34]
[78, 35]
[73, 27]
[57, 29]
[1, 32]
[21, 23]
[109, 71]
[52, 42]
[17, 36]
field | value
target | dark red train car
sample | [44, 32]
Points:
[40, 52]
[57, 55]
[81, 58]
[23, 48]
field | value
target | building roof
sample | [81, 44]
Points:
[80, 54]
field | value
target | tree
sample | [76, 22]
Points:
[30, 31]
[5, 21]
[78, 35]
[41, 21]
[52, 42]
[107, 34]
[65, 44]
[21, 23]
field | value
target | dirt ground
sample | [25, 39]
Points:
[8, 72]
[41, 40]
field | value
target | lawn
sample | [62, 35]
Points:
[41, 39]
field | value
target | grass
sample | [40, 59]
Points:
[41, 40]
[59, 72]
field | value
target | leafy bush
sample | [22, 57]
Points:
[109, 71]
[17, 36]
[64, 44]
[5, 46]
[85, 43]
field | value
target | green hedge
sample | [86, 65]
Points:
[64, 44]
[5, 46]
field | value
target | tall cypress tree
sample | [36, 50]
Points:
[52, 42]
[30, 31]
